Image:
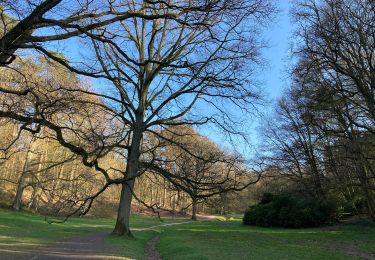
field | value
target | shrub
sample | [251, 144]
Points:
[291, 211]
[266, 198]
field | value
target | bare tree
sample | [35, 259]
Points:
[293, 144]
[158, 72]
[21, 22]
[40, 81]
[338, 42]
[336, 72]
[198, 167]
[15, 33]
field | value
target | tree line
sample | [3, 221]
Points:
[321, 136]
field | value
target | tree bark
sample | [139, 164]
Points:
[17, 202]
[20, 32]
[194, 209]
[122, 227]
[37, 189]
[224, 203]
[34, 201]
[367, 193]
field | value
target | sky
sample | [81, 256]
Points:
[273, 77]
[279, 36]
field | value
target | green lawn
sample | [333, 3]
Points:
[232, 240]
[23, 231]
[197, 240]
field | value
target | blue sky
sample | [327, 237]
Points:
[279, 36]
[273, 77]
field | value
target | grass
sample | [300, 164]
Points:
[135, 248]
[20, 232]
[232, 240]
[219, 239]
[30, 229]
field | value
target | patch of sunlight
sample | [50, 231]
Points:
[88, 225]
[297, 232]
[222, 218]
[155, 229]
[195, 230]
[118, 258]
[11, 251]
[265, 232]
[17, 244]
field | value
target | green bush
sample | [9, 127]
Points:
[290, 211]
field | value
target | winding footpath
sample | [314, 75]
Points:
[88, 247]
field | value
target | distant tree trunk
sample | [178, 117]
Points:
[37, 189]
[362, 173]
[140, 187]
[367, 193]
[17, 203]
[194, 207]
[34, 201]
[56, 182]
[164, 192]
[224, 203]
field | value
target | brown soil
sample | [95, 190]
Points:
[151, 252]
[87, 247]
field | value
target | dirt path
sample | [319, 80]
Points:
[151, 253]
[163, 225]
[86, 248]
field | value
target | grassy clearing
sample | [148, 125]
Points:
[232, 240]
[20, 232]
[217, 239]
[25, 229]
[134, 248]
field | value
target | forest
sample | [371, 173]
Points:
[139, 111]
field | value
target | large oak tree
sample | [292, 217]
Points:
[173, 63]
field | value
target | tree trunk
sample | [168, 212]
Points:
[194, 209]
[37, 189]
[363, 177]
[224, 202]
[34, 201]
[368, 195]
[17, 202]
[122, 227]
